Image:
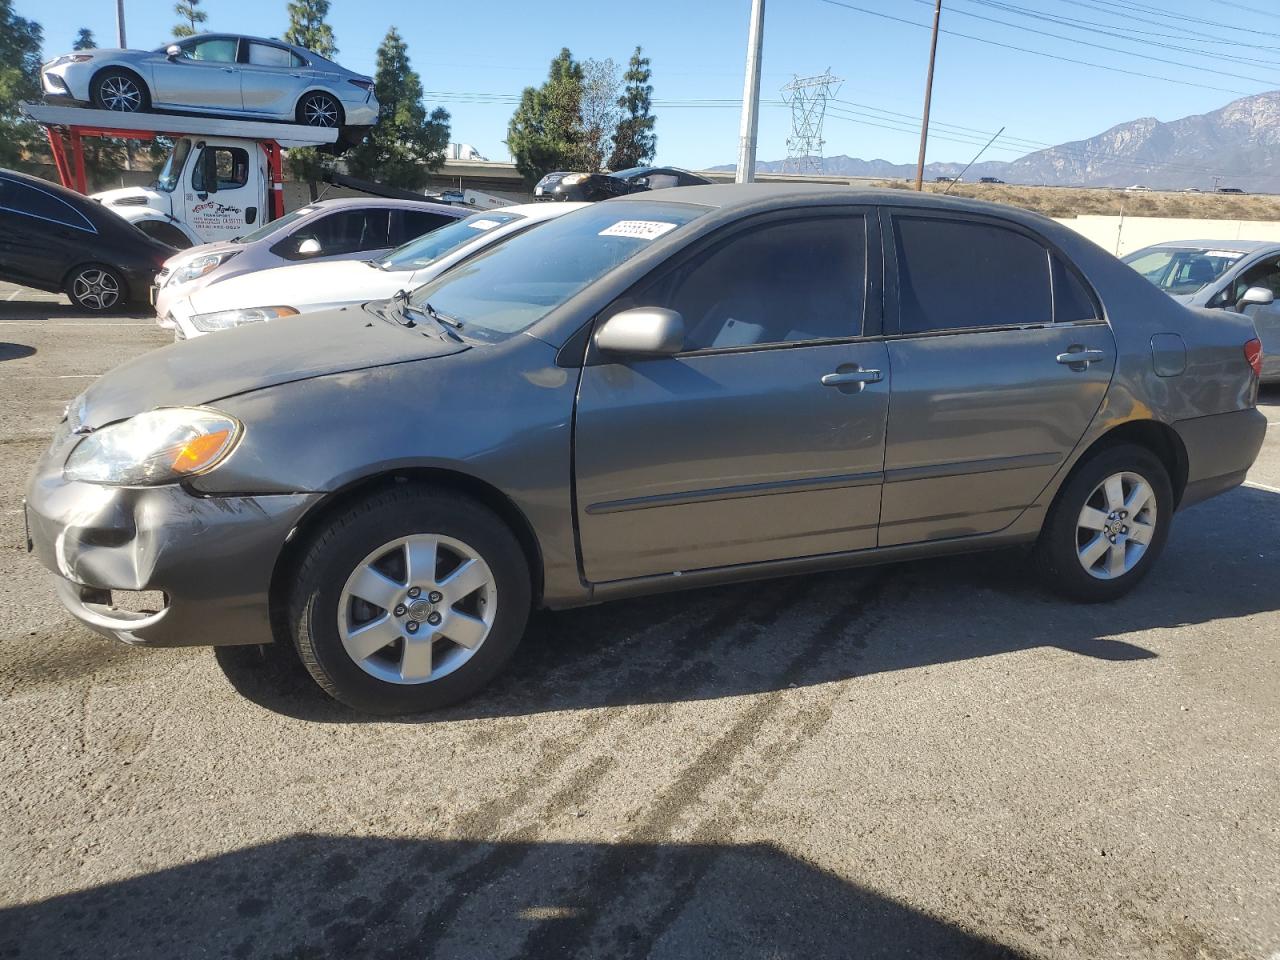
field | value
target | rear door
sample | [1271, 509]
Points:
[985, 323]
[206, 75]
[271, 78]
[758, 442]
[41, 235]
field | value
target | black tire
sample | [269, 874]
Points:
[347, 540]
[97, 288]
[119, 91]
[319, 109]
[1061, 539]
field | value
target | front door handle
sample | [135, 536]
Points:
[851, 376]
[1083, 356]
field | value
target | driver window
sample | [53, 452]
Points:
[1265, 275]
[213, 50]
[780, 283]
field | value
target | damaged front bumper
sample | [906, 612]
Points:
[205, 563]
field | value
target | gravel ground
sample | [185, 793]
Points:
[927, 759]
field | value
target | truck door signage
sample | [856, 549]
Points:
[212, 215]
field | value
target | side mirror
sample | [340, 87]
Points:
[173, 51]
[309, 247]
[642, 331]
[1259, 296]
[209, 170]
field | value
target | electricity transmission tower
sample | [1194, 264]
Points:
[808, 98]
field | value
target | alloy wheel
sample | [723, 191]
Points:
[96, 289]
[1116, 525]
[416, 609]
[319, 111]
[121, 94]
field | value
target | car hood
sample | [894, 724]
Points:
[251, 358]
[113, 198]
[200, 250]
[303, 286]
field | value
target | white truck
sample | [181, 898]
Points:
[222, 178]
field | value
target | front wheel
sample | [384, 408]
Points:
[409, 601]
[97, 288]
[1107, 525]
[119, 91]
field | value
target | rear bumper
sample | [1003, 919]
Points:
[211, 558]
[1220, 450]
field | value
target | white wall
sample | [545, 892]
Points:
[1121, 235]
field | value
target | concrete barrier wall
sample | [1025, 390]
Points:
[1121, 235]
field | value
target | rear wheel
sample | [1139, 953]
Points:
[1107, 525]
[119, 91]
[317, 109]
[97, 287]
[409, 601]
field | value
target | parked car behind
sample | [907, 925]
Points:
[309, 287]
[57, 240]
[602, 186]
[346, 229]
[218, 73]
[1238, 275]
[661, 391]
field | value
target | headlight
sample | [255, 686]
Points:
[161, 446]
[573, 178]
[226, 319]
[197, 268]
[69, 58]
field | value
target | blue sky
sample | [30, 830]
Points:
[497, 47]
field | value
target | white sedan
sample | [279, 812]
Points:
[308, 287]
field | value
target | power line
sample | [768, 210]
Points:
[1038, 53]
[1187, 32]
[1130, 6]
[1096, 46]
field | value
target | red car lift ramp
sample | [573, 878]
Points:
[66, 128]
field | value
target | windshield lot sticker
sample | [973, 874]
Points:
[638, 229]
[483, 224]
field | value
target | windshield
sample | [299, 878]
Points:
[514, 284]
[629, 172]
[1182, 270]
[171, 172]
[267, 229]
[431, 246]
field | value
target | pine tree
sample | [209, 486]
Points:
[634, 142]
[545, 132]
[308, 29]
[84, 40]
[190, 11]
[20, 41]
[406, 144]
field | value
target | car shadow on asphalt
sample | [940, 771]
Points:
[321, 897]
[1222, 561]
[15, 351]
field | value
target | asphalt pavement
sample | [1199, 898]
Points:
[931, 759]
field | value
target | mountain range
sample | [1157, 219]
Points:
[1238, 143]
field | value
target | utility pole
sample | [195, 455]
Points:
[928, 96]
[751, 97]
[120, 24]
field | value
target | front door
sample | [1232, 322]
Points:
[1000, 361]
[235, 207]
[736, 450]
[205, 76]
[1265, 316]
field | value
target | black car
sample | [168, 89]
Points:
[562, 185]
[55, 239]
[990, 180]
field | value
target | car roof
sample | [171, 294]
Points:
[1235, 246]
[339, 203]
[733, 196]
[79, 200]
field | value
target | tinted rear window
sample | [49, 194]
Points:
[955, 274]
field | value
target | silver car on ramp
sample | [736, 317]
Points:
[655, 392]
[218, 73]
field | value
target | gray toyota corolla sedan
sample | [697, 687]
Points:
[659, 391]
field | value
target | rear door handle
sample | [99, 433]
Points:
[851, 376]
[1083, 356]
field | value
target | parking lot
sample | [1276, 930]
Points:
[932, 759]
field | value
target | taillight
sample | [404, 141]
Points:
[365, 85]
[1253, 356]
